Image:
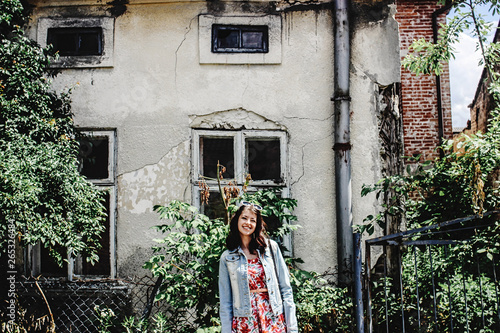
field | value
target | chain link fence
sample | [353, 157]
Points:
[72, 304]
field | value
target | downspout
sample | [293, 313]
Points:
[435, 16]
[342, 146]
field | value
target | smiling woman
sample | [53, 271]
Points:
[254, 282]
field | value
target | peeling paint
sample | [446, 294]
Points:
[303, 6]
[235, 119]
[155, 184]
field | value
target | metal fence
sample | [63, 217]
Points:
[434, 279]
[73, 304]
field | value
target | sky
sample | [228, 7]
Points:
[465, 73]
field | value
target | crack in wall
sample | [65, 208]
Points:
[303, 156]
[180, 45]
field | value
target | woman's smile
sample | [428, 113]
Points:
[247, 222]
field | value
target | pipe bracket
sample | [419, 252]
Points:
[341, 98]
[342, 146]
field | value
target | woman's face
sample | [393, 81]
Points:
[247, 222]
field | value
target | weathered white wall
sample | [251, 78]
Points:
[157, 87]
[375, 60]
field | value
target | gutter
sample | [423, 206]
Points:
[342, 146]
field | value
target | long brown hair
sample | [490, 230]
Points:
[259, 237]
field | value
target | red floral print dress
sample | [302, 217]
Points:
[263, 319]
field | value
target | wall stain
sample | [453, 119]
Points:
[118, 7]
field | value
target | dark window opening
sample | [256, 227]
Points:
[264, 159]
[76, 41]
[217, 150]
[214, 208]
[48, 265]
[240, 38]
[103, 266]
[94, 157]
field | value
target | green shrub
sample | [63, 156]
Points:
[187, 259]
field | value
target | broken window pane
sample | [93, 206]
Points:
[76, 41]
[215, 150]
[94, 157]
[103, 266]
[264, 159]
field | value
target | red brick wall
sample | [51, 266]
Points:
[419, 93]
[481, 107]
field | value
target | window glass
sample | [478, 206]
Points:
[235, 38]
[214, 208]
[227, 38]
[76, 41]
[264, 159]
[252, 39]
[94, 157]
[217, 150]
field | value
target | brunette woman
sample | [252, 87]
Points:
[254, 282]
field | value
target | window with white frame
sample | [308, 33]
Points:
[81, 42]
[97, 163]
[260, 154]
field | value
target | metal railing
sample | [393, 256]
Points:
[435, 280]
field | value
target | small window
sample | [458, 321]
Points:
[76, 41]
[81, 42]
[94, 157]
[239, 38]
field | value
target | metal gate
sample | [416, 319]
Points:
[433, 279]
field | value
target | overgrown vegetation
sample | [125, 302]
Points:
[42, 195]
[465, 180]
[461, 183]
[187, 261]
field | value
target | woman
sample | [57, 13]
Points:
[254, 283]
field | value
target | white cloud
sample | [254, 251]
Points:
[464, 78]
[465, 72]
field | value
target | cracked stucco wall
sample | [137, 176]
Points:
[157, 91]
[375, 62]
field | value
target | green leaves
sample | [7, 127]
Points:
[321, 307]
[41, 190]
[187, 259]
[427, 57]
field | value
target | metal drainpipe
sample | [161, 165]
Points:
[342, 145]
[435, 15]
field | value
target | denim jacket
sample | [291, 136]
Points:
[235, 291]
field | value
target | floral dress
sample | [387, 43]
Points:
[263, 319]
